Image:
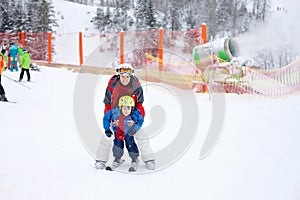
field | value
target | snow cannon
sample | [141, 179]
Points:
[224, 48]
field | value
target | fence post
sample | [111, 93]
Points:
[204, 33]
[204, 40]
[121, 47]
[80, 49]
[49, 47]
[160, 48]
[23, 38]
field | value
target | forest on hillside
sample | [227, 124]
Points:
[224, 18]
[230, 16]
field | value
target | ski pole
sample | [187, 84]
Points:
[16, 81]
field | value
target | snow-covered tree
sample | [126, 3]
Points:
[20, 19]
[260, 9]
[209, 17]
[99, 20]
[140, 15]
[5, 20]
[116, 15]
[151, 21]
[224, 15]
[108, 20]
[189, 19]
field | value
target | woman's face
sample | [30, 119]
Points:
[126, 110]
[125, 79]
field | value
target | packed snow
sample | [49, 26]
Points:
[43, 155]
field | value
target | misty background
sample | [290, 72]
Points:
[266, 30]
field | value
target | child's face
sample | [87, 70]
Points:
[125, 79]
[126, 110]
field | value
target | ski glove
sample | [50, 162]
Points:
[132, 131]
[108, 133]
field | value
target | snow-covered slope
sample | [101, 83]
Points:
[42, 155]
[74, 17]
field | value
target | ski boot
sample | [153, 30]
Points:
[134, 165]
[150, 164]
[3, 97]
[100, 164]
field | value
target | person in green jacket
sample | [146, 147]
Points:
[25, 64]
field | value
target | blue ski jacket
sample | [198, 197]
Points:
[13, 51]
[115, 113]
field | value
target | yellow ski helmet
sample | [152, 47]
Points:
[126, 101]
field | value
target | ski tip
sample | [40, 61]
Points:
[132, 169]
[108, 168]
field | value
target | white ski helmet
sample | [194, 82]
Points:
[125, 68]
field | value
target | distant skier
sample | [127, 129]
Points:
[25, 64]
[4, 49]
[2, 92]
[13, 53]
[126, 120]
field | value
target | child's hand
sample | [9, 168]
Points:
[131, 123]
[108, 133]
[115, 122]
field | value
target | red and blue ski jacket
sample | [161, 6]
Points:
[115, 90]
[122, 129]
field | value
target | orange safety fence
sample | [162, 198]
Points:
[100, 50]
[156, 51]
[229, 78]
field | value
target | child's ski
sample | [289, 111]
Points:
[16, 81]
[114, 166]
[21, 83]
[8, 101]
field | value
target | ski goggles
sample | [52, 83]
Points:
[125, 70]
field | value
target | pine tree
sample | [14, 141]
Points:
[46, 17]
[98, 20]
[5, 19]
[224, 15]
[12, 17]
[176, 19]
[29, 18]
[107, 20]
[190, 19]
[140, 15]
[208, 10]
[116, 27]
[41, 15]
[20, 19]
[151, 16]
[167, 20]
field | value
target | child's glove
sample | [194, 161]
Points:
[132, 131]
[108, 133]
